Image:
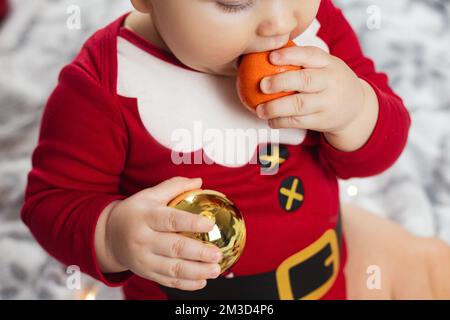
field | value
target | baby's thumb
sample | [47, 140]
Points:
[169, 189]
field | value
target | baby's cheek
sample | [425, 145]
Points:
[221, 49]
[216, 58]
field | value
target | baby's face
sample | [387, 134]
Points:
[209, 35]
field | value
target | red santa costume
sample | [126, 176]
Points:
[4, 8]
[107, 133]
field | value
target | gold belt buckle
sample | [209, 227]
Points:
[282, 273]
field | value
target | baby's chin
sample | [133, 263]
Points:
[228, 70]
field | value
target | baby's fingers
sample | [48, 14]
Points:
[300, 104]
[305, 80]
[167, 219]
[309, 122]
[178, 246]
[305, 56]
[182, 284]
[183, 269]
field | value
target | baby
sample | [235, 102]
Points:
[106, 164]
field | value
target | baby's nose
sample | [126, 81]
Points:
[280, 20]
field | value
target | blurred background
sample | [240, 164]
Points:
[408, 39]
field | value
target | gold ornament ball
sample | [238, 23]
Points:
[228, 233]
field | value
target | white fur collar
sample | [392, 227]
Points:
[175, 103]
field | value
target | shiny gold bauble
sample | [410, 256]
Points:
[228, 232]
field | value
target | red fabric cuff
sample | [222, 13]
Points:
[383, 146]
[92, 266]
[3, 9]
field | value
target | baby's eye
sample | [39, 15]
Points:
[235, 6]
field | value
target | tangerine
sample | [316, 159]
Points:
[252, 69]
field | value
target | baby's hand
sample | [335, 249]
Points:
[141, 235]
[330, 96]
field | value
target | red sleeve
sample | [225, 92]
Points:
[391, 130]
[3, 9]
[75, 171]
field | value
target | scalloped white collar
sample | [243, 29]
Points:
[175, 103]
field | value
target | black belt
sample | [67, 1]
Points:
[308, 274]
